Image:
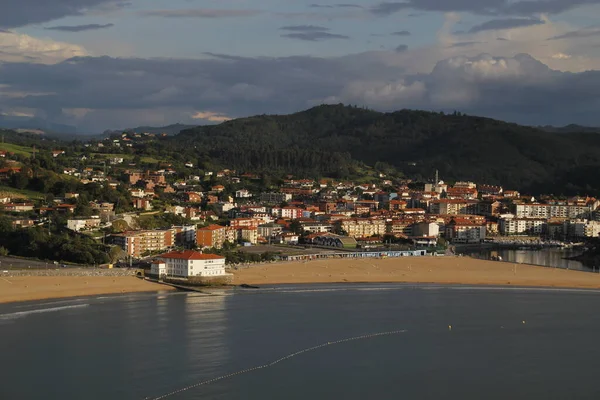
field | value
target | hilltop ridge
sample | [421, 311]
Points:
[331, 139]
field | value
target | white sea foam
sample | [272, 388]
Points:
[21, 314]
[52, 303]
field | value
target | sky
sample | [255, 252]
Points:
[116, 64]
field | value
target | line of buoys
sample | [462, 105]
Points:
[273, 363]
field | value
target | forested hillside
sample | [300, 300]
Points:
[327, 140]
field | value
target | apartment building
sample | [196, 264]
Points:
[400, 227]
[269, 230]
[426, 229]
[274, 198]
[571, 211]
[453, 207]
[211, 236]
[363, 227]
[316, 227]
[583, 228]
[135, 244]
[461, 193]
[465, 231]
[248, 235]
[511, 225]
[185, 234]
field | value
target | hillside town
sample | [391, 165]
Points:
[166, 206]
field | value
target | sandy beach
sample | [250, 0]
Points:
[443, 270]
[24, 288]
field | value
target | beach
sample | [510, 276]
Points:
[441, 270]
[438, 270]
[25, 288]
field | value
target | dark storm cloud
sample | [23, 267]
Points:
[484, 7]
[401, 48]
[519, 89]
[201, 13]
[463, 44]
[342, 5]
[401, 33]
[79, 28]
[304, 28]
[314, 36]
[498, 24]
[16, 13]
[584, 33]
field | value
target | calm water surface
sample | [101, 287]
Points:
[549, 257]
[145, 346]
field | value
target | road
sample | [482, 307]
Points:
[8, 263]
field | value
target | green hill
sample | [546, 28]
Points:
[330, 140]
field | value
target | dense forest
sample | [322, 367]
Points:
[55, 244]
[333, 140]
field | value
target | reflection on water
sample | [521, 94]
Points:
[138, 347]
[552, 257]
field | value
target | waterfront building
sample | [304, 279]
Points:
[465, 231]
[546, 211]
[188, 263]
[510, 225]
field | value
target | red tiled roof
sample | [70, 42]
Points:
[191, 255]
[454, 201]
[213, 227]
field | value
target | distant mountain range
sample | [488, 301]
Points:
[173, 129]
[37, 124]
[69, 132]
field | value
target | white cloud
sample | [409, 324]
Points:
[210, 116]
[381, 94]
[17, 113]
[16, 47]
[561, 56]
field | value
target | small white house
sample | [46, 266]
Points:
[188, 263]
[158, 268]
[243, 194]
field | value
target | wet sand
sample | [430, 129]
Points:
[24, 288]
[442, 270]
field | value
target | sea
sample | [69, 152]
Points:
[547, 257]
[350, 341]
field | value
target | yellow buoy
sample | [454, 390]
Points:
[449, 327]
[523, 321]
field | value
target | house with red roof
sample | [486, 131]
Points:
[188, 263]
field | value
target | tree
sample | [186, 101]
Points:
[296, 227]
[20, 180]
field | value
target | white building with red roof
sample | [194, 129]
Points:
[189, 263]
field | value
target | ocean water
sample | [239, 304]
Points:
[404, 342]
[548, 257]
